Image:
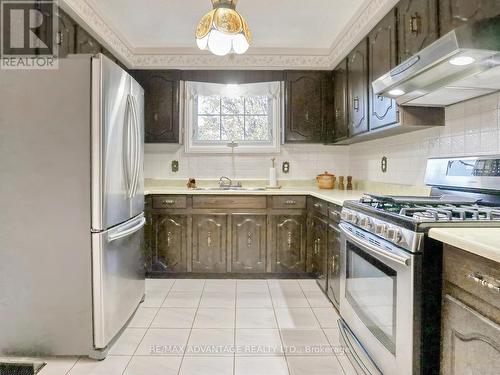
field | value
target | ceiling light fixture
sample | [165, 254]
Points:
[223, 30]
[462, 60]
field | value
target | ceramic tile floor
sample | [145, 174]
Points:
[219, 327]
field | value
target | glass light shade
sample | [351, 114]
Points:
[223, 30]
[219, 43]
[240, 44]
[202, 42]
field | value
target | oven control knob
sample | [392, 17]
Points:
[366, 222]
[344, 215]
[390, 234]
[380, 229]
[398, 236]
[353, 217]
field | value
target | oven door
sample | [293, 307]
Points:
[377, 299]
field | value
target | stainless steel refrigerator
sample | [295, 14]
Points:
[72, 201]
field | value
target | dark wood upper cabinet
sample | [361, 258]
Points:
[382, 58]
[65, 38]
[307, 114]
[85, 43]
[417, 25]
[454, 13]
[340, 124]
[161, 95]
[357, 84]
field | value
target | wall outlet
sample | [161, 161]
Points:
[285, 167]
[175, 166]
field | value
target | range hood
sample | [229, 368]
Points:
[461, 65]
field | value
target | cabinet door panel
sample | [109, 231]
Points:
[161, 96]
[289, 241]
[455, 13]
[85, 43]
[341, 127]
[318, 250]
[471, 342]
[171, 243]
[306, 101]
[357, 80]
[382, 58]
[334, 245]
[418, 26]
[249, 243]
[209, 243]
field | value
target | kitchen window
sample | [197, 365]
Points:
[239, 118]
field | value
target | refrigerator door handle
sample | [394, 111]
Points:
[137, 147]
[127, 230]
[126, 148]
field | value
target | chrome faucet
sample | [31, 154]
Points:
[227, 183]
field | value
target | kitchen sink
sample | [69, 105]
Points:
[232, 188]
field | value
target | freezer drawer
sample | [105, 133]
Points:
[118, 277]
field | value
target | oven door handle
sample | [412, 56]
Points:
[405, 261]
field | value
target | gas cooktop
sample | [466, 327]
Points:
[433, 209]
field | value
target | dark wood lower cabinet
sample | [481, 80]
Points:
[288, 243]
[209, 243]
[334, 246]
[171, 243]
[470, 334]
[318, 245]
[249, 243]
[471, 342]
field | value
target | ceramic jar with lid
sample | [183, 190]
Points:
[326, 181]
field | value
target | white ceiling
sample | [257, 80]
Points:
[278, 26]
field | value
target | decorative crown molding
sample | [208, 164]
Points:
[370, 13]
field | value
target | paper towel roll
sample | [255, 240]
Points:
[273, 182]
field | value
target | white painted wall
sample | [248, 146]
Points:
[471, 128]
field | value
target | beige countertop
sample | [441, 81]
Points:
[333, 196]
[484, 242]
[289, 188]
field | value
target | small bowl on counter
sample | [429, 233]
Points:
[326, 180]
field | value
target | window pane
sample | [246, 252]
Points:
[208, 128]
[256, 105]
[209, 105]
[257, 128]
[233, 128]
[232, 106]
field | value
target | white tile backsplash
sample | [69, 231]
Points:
[306, 161]
[472, 128]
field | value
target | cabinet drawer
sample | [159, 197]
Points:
[288, 201]
[170, 201]
[220, 201]
[466, 270]
[334, 212]
[319, 206]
